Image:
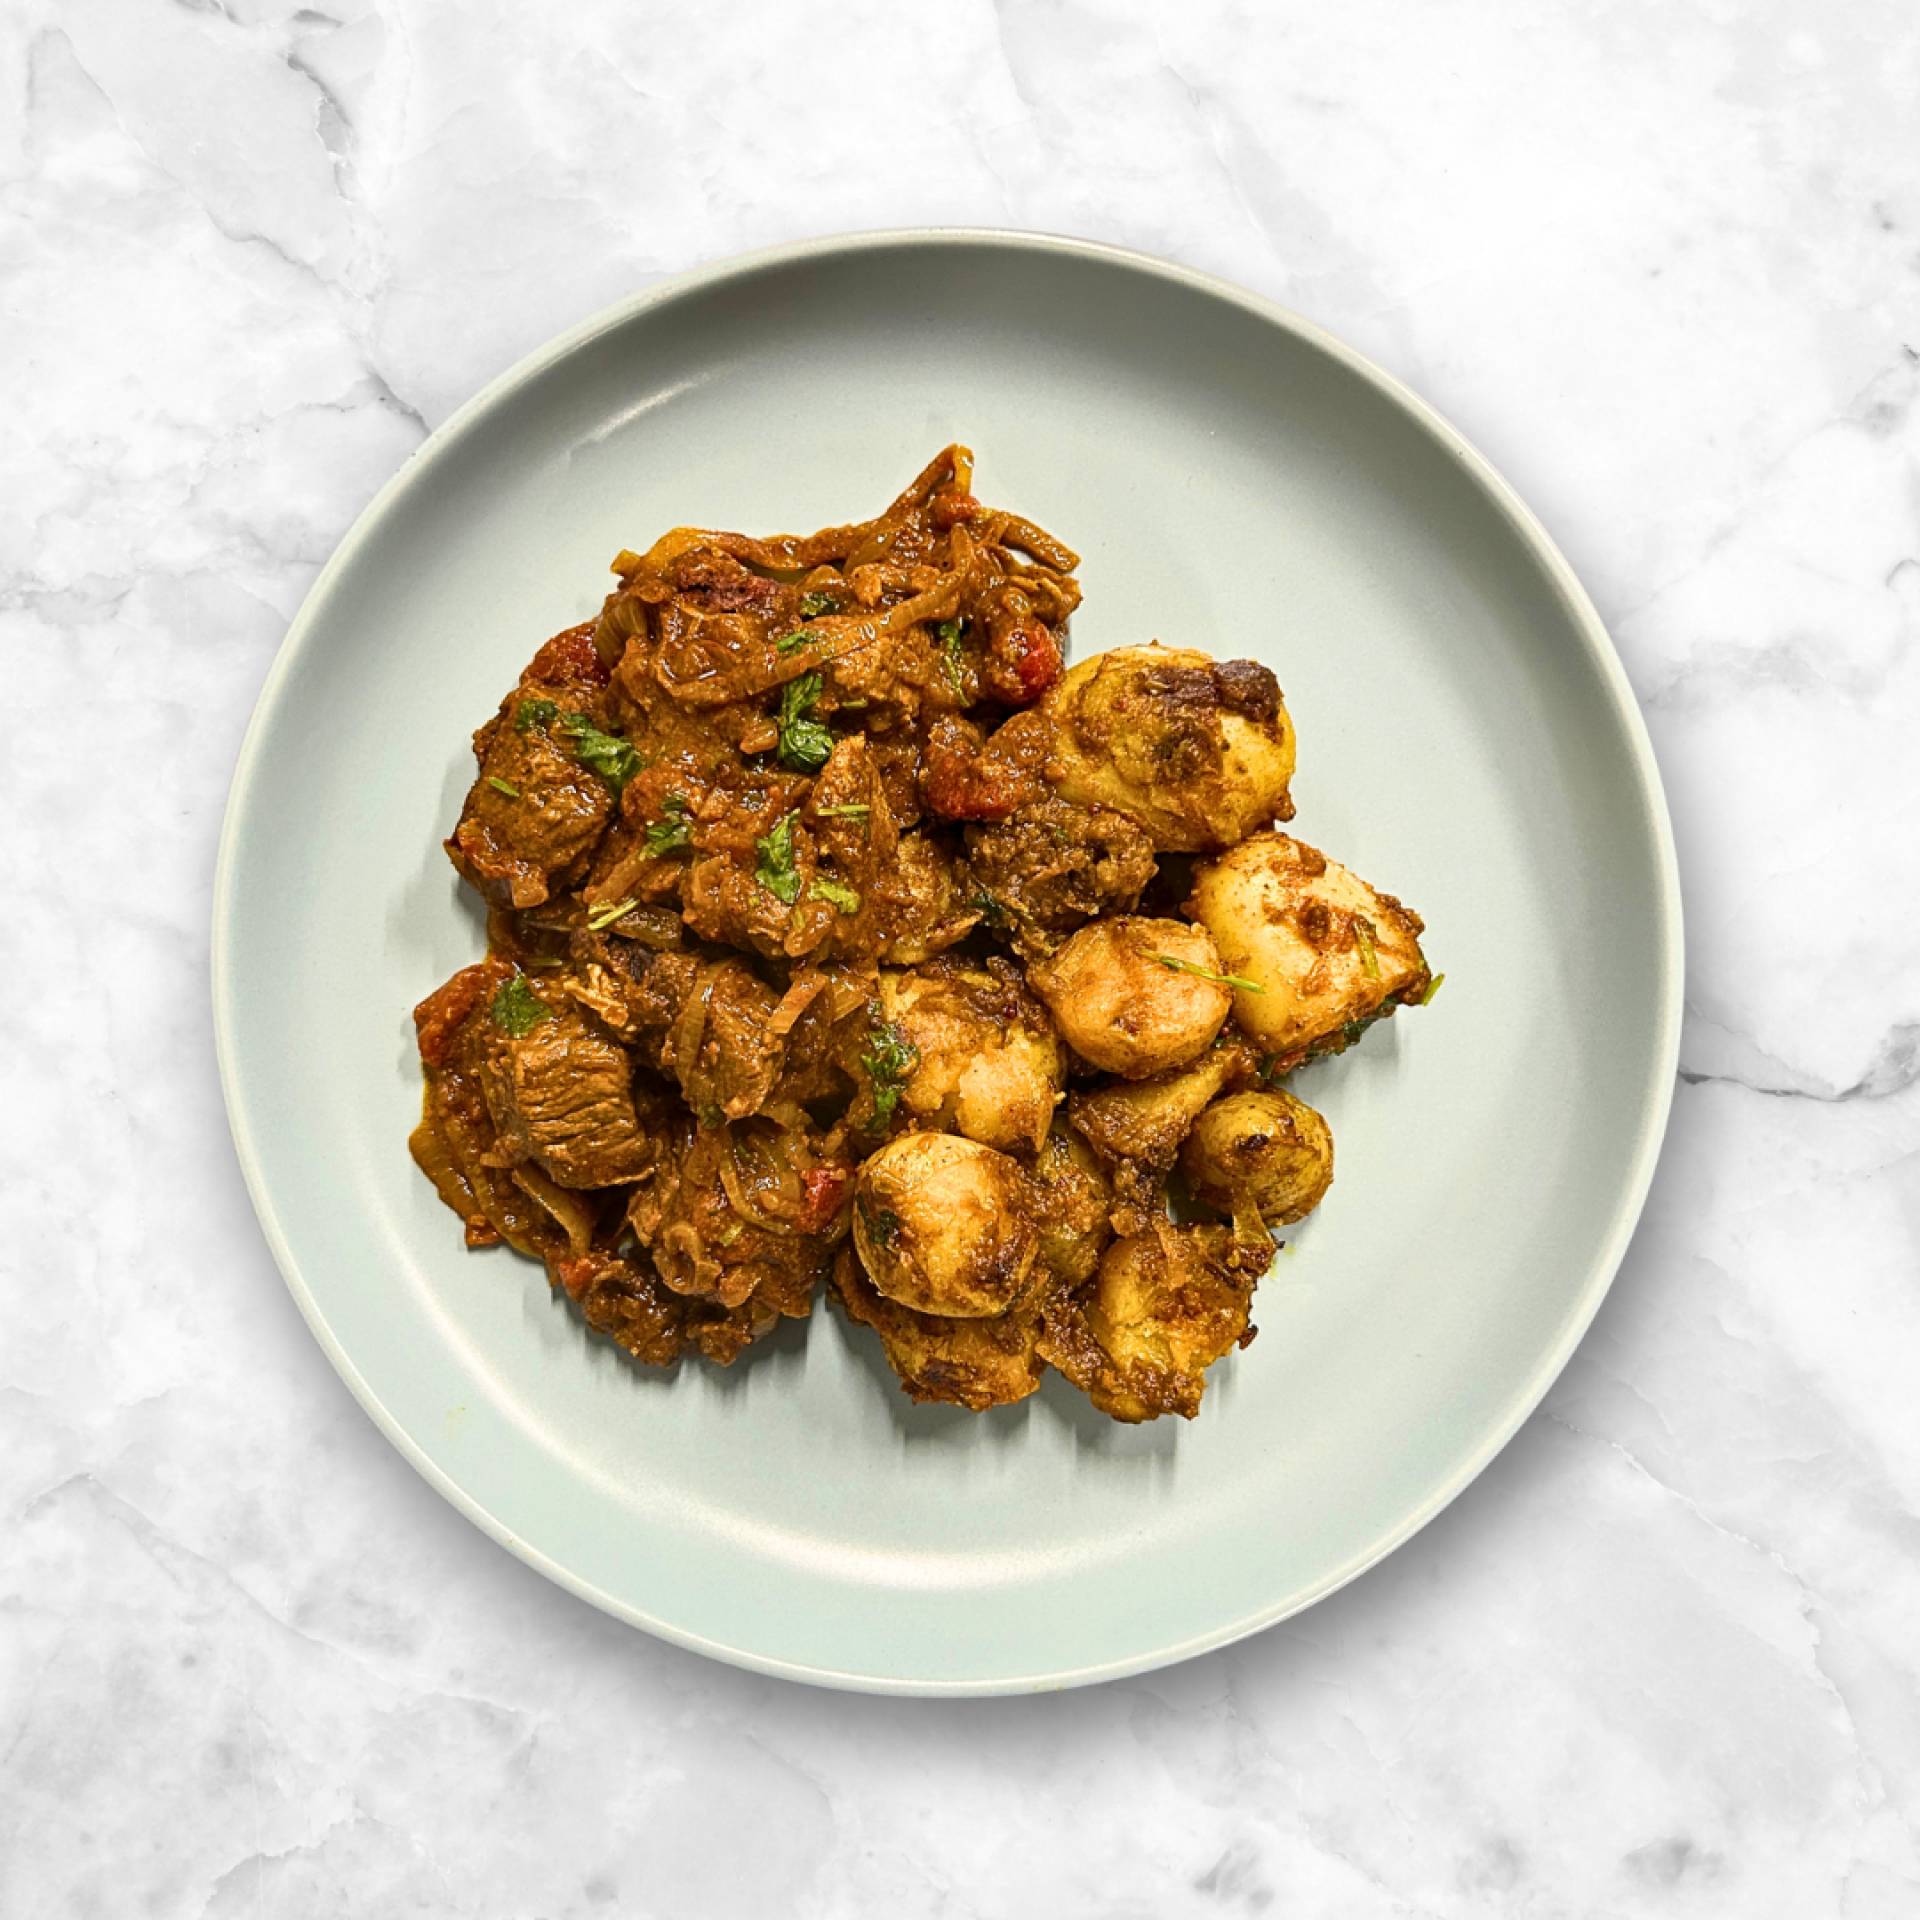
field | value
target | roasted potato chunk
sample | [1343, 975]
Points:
[990, 1065]
[1164, 1305]
[1196, 752]
[966, 1363]
[1073, 1198]
[1264, 1150]
[945, 1226]
[1135, 996]
[1326, 954]
[1146, 1120]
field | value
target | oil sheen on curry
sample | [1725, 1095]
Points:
[840, 933]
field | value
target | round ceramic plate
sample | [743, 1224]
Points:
[1236, 481]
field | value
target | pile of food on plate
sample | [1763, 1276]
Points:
[838, 931]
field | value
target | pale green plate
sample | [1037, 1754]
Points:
[1236, 481]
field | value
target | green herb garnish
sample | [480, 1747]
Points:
[517, 1009]
[882, 1224]
[533, 713]
[889, 1065]
[836, 895]
[813, 605]
[950, 655]
[793, 642]
[1239, 980]
[615, 760]
[673, 831]
[1363, 938]
[996, 912]
[852, 811]
[1433, 987]
[805, 743]
[711, 1116]
[775, 869]
[503, 786]
[607, 912]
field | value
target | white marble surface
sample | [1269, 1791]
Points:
[1663, 263]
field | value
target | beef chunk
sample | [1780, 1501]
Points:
[1053, 866]
[562, 1096]
[535, 813]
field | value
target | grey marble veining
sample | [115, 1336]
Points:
[1663, 264]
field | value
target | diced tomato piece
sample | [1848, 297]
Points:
[440, 1016]
[569, 659]
[950, 508]
[824, 1192]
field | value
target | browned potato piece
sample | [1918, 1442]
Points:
[1264, 1149]
[1164, 1305]
[1135, 996]
[945, 1226]
[990, 1062]
[1073, 1200]
[1197, 752]
[967, 1363]
[1146, 1120]
[1328, 955]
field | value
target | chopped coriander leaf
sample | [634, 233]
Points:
[775, 869]
[996, 912]
[673, 831]
[1239, 980]
[831, 891]
[608, 911]
[950, 632]
[882, 1224]
[615, 760]
[711, 1116]
[851, 811]
[533, 713]
[1433, 987]
[517, 1009]
[1363, 938]
[1353, 1030]
[793, 642]
[889, 1064]
[503, 786]
[805, 743]
[813, 605]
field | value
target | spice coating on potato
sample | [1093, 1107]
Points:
[975, 1364]
[1266, 1150]
[1135, 996]
[945, 1226]
[1325, 953]
[1196, 752]
[990, 1064]
[1073, 1198]
[1164, 1305]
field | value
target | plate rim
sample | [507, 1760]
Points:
[1656, 1100]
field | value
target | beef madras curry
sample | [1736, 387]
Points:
[838, 932]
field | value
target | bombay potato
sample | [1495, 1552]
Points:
[1263, 1149]
[1074, 1196]
[1197, 752]
[1135, 996]
[1146, 1120]
[1164, 1305]
[965, 1363]
[946, 1226]
[1324, 953]
[989, 1064]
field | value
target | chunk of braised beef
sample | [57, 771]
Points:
[562, 1095]
[1052, 866]
[535, 813]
